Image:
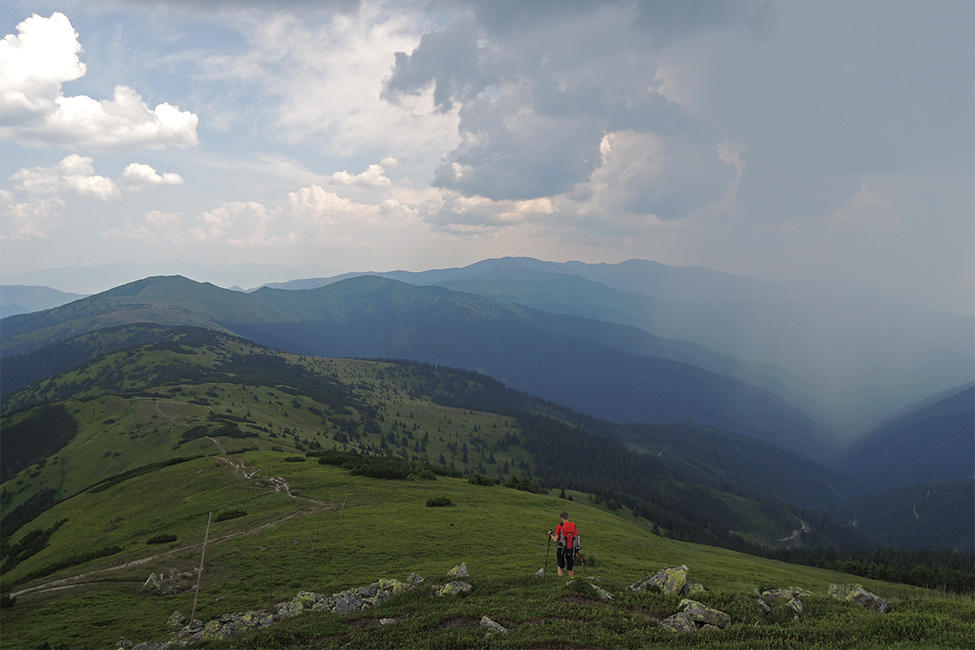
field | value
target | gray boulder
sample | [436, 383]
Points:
[176, 620]
[601, 593]
[857, 594]
[704, 615]
[459, 571]
[679, 622]
[492, 626]
[455, 588]
[670, 580]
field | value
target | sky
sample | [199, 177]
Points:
[826, 143]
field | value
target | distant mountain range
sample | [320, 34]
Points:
[847, 358]
[600, 368]
[932, 442]
[22, 299]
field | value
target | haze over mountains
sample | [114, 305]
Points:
[847, 359]
[534, 329]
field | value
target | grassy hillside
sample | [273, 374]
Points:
[340, 531]
[198, 423]
[604, 369]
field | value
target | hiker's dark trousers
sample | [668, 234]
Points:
[565, 557]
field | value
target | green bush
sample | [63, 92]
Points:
[295, 459]
[161, 539]
[230, 514]
[439, 502]
[480, 479]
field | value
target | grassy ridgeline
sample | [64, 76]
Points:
[344, 530]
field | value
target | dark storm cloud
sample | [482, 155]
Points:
[540, 84]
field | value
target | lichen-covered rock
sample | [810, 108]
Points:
[123, 644]
[493, 626]
[670, 580]
[455, 588]
[704, 615]
[601, 593]
[857, 594]
[347, 601]
[286, 609]
[694, 589]
[764, 605]
[212, 629]
[540, 573]
[679, 622]
[153, 583]
[307, 599]
[797, 607]
[415, 578]
[176, 620]
[459, 571]
[785, 594]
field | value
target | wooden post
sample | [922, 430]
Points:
[199, 573]
[343, 505]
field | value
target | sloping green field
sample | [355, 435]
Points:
[340, 531]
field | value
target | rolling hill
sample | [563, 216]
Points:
[557, 358]
[22, 299]
[933, 442]
[850, 358]
[156, 436]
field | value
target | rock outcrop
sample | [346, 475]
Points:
[455, 588]
[857, 594]
[671, 580]
[459, 571]
[492, 626]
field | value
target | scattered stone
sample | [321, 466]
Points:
[492, 626]
[459, 571]
[540, 573]
[153, 645]
[123, 644]
[153, 582]
[602, 593]
[671, 580]
[703, 614]
[797, 607]
[856, 593]
[764, 606]
[415, 578]
[455, 588]
[679, 622]
[176, 620]
[785, 594]
[694, 589]
[196, 625]
[387, 621]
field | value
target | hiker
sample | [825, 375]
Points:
[566, 538]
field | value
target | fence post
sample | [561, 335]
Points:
[199, 573]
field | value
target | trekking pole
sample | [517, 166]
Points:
[583, 560]
[199, 573]
[547, 548]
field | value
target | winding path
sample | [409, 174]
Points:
[279, 484]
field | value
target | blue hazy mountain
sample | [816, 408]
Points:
[555, 357]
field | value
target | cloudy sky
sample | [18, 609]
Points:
[829, 142]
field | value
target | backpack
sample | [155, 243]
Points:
[569, 538]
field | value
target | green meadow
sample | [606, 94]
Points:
[340, 531]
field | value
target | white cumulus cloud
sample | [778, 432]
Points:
[44, 54]
[138, 175]
[74, 174]
[374, 176]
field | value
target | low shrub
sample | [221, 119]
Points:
[439, 502]
[295, 459]
[161, 539]
[480, 479]
[230, 514]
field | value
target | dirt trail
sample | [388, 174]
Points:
[66, 582]
[794, 537]
[278, 483]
